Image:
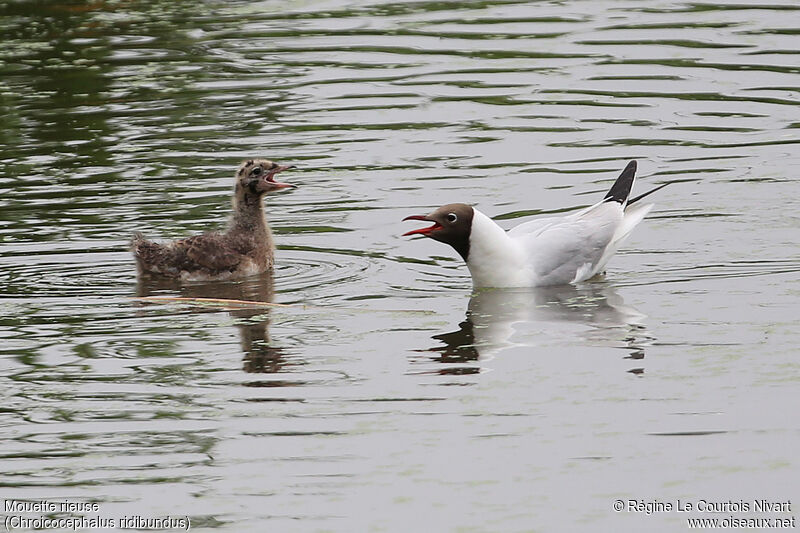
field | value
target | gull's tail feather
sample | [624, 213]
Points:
[630, 220]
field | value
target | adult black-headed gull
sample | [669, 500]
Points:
[546, 251]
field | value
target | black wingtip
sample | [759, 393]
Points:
[622, 187]
[648, 193]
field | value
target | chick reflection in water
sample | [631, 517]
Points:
[495, 316]
[253, 323]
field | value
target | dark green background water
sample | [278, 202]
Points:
[376, 405]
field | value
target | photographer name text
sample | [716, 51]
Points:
[649, 507]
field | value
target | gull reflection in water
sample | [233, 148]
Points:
[495, 316]
[253, 323]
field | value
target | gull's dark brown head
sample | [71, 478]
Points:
[258, 176]
[452, 224]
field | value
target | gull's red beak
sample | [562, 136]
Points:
[276, 184]
[422, 231]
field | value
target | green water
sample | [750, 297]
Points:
[387, 397]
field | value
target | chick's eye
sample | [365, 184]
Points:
[452, 217]
[256, 171]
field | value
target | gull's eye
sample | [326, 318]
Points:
[452, 217]
[256, 171]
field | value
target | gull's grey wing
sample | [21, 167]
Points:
[569, 249]
[534, 226]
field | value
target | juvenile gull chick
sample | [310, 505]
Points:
[245, 248]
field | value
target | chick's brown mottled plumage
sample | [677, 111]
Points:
[245, 248]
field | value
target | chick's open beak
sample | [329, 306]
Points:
[276, 184]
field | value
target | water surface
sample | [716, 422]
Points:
[388, 396]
